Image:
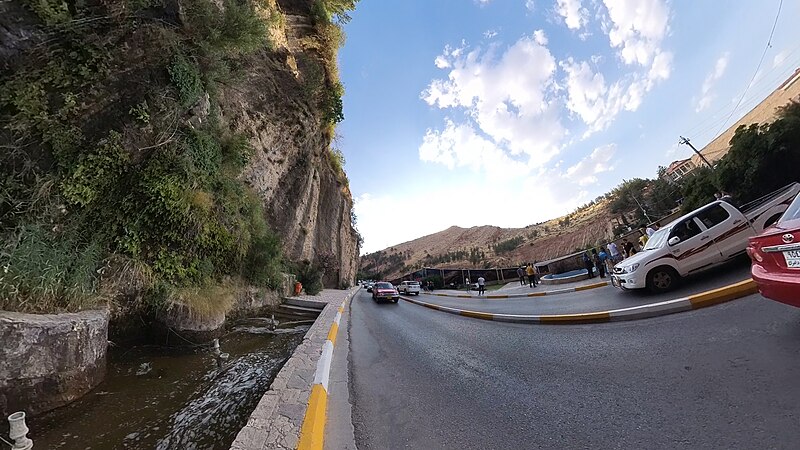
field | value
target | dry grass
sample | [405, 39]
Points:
[206, 302]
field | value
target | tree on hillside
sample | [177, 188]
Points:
[762, 157]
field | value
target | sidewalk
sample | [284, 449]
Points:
[514, 289]
[278, 417]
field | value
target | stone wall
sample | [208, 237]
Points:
[49, 360]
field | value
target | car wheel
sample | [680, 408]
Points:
[662, 279]
[395, 300]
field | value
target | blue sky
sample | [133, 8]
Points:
[512, 112]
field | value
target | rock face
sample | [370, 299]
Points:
[50, 360]
[308, 204]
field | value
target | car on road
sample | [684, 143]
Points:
[370, 285]
[383, 290]
[710, 235]
[409, 287]
[776, 258]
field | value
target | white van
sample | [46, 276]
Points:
[409, 287]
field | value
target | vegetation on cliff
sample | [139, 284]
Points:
[116, 157]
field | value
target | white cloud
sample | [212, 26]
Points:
[586, 170]
[529, 5]
[461, 146]
[637, 28]
[574, 14]
[780, 58]
[598, 104]
[540, 38]
[488, 34]
[507, 96]
[706, 93]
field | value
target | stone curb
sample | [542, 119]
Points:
[278, 419]
[696, 301]
[531, 294]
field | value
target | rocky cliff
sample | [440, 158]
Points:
[156, 148]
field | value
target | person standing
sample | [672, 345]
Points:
[521, 275]
[481, 285]
[629, 248]
[531, 275]
[469, 286]
[598, 263]
[614, 252]
[604, 260]
[587, 262]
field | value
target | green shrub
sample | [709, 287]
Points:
[310, 276]
[51, 12]
[185, 76]
[95, 171]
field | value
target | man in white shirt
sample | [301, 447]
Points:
[481, 285]
[651, 230]
[614, 252]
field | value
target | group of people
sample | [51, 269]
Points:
[481, 282]
[530, 271]
[604, 262]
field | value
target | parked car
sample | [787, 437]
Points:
[409, 287]
[708, 236]
[385, 291]
[776, 258]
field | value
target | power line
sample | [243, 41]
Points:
[763, 54]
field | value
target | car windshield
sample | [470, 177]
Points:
[657, 240]
[384, 286]
[792, 213]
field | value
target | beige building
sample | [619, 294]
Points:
[678, 169]
[763, 112]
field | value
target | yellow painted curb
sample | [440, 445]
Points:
[313, 431]
[591, 286]
[477, 315]
[463, 296]
[332, 333]
[723, 294]
[537, 294]
[576, 318]
[496, 296]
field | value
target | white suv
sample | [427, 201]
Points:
[409, 287]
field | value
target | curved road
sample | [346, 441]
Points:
[721, 377]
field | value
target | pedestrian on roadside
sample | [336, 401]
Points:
[587, 262]
[531, 275]
[481, 285]
[643, 238]
[629, 248]
[605, 260]
[535, 273]
[599, 263]
[614, 252]
[469, 286]
[651, 229]
[521, 275]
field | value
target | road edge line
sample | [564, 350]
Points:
[691, 302]
[312, 432]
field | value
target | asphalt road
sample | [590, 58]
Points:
[593, 300]
[722, 377]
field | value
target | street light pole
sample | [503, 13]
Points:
[686, 141]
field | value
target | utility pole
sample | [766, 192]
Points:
[686, 141]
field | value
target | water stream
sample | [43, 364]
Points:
[163, 398]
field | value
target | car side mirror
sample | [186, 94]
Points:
[673, 240]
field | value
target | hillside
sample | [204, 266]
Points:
[490, 246]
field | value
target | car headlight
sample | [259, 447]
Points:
[631, 268]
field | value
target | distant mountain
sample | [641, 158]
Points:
[489, 246]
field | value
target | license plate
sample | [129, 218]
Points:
[792, 259]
